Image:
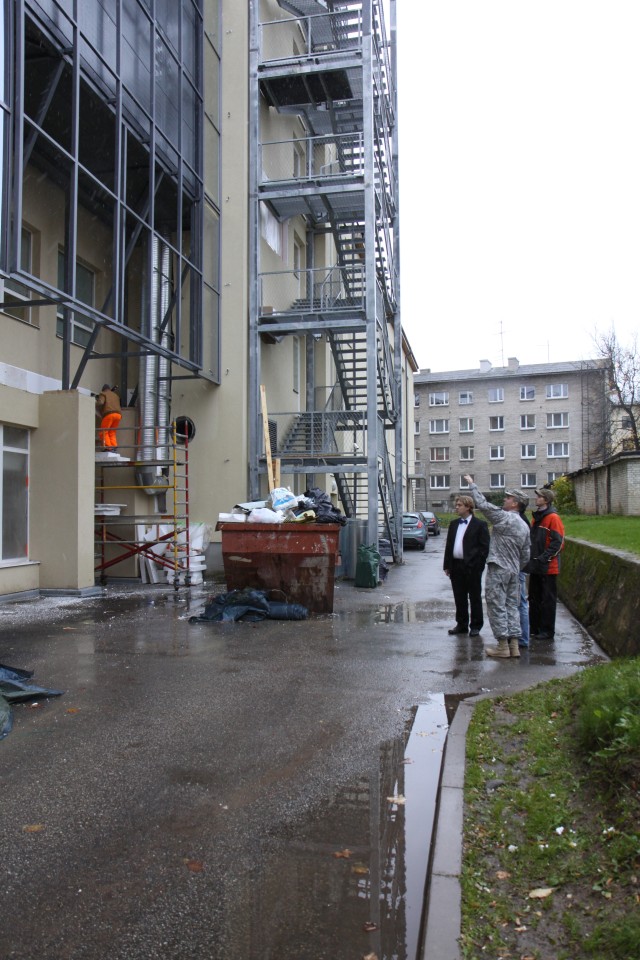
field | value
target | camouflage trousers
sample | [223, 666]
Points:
[502, 596]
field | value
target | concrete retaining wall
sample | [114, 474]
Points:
[601, 588]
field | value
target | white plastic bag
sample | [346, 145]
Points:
[282, 498]
[264, 515]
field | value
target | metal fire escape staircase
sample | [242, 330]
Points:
[339, 177]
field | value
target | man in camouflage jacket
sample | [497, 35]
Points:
[509, 553]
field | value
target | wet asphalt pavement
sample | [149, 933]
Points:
[220, 791]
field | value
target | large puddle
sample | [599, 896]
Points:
[350, 879]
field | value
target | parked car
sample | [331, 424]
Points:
[432, 522]
[414, 530]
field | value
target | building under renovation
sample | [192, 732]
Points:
[199, 207]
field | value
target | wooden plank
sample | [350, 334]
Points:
[267, 438]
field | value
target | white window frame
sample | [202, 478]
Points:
[527, 394]
[81, 328]
[434, 454]
[471, 453]
[553, 475]
[500, 426]
[524, 421]
[497, 481]
[7, 447]
[464, 484]
[564, 421]
[433, 426]
[465, 397]
[551, 451]
[527, 451]
[496, 452]
[416, 428]
[439, 398]
[469, 425]
[439, 481]
[557, 391]
[13, 289]
[495, 394]
[528, 480]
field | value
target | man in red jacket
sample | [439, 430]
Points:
[547, 540]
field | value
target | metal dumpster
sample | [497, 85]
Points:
[299, 559]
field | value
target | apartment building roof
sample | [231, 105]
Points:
[486, 371]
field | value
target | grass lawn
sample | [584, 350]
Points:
[611, 530]
[551, 862]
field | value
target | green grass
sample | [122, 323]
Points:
[610, 530]
[548, 810]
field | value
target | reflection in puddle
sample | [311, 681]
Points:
[350, 880]
[426, 611]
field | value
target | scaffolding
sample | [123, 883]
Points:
[151, 539]
[327, 69]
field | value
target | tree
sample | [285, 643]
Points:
[623, 384]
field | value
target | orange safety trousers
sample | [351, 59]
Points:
[108, 426]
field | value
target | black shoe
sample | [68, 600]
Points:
[457, 630]
[474, 633]
[543, 636]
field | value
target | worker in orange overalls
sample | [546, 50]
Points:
[108, 406]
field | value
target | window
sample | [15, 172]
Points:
[626, 423]
[438, 426]
[465, 396]
[496, 453]
[557, 449]
[439, 399]
[557, 391]
[555, 420]
[463, 483]
[527, 421]
[553, 475]
[416, 428]
[439, 454]
[496, 480]
[467, 453]
[527, 451]
[416, 399]
[439, 481]
[13, 290]
[496, 423]
[527, 479]
[81, 327]
[466, 425]
[496, 395]
[527, 393]
[14, 503]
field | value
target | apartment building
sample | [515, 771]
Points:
[513, 426]
[145, 201]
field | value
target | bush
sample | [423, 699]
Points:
[608, 713]
[565, 501]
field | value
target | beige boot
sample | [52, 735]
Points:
[502, 650]
[514, 649]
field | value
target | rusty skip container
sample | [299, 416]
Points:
[298, 559]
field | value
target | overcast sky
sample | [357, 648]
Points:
[519, 127]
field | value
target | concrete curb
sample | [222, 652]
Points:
[444, 899]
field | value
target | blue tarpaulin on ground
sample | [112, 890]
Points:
[16, 686]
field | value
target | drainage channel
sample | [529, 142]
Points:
[350, 879]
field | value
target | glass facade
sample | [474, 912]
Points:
[113, 141]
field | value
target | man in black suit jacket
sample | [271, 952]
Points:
[465, 555]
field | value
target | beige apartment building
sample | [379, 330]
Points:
[514, 426]
[155, 238]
